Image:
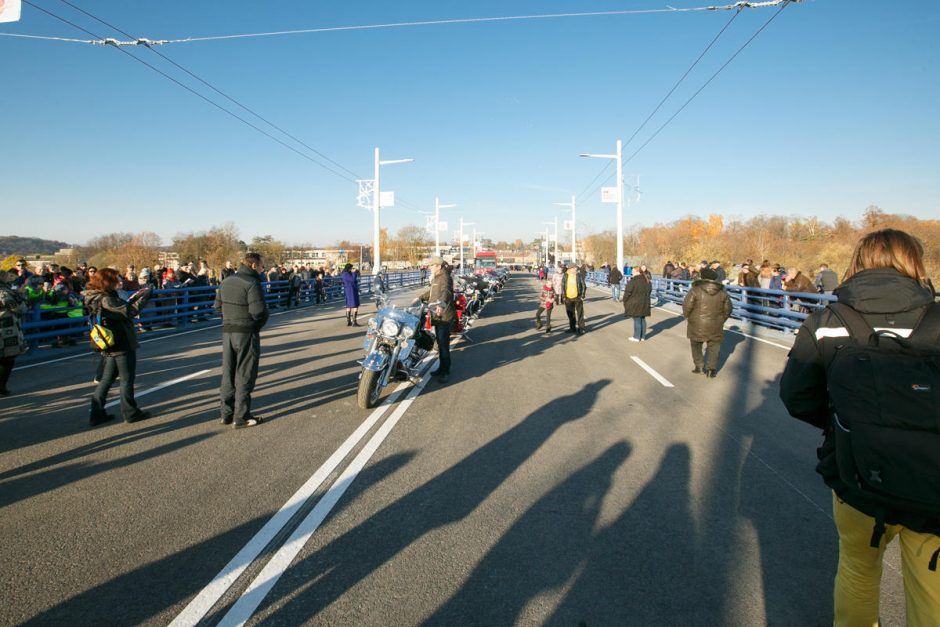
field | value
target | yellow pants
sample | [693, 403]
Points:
[858, 580]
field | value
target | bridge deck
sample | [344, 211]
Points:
[553, 480]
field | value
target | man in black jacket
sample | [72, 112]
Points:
[240, 299]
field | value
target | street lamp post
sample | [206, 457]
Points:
[462, 224]
[555, 222]
[473, 244]
[574, 242]
[376, 208]
[437, 224]
[619, 197]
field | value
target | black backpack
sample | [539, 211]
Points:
[884, 391]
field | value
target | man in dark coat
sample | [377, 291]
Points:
[240, 299]
[636, 304]
[706, 308]
[443, 312]
[614, 277]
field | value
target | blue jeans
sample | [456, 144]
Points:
[124, 364]
[639, 328]
[615, 291]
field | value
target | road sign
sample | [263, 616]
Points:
[608, 194]
[441, 226]
[568, 225]
[387, 199]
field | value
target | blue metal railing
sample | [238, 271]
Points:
[777, 309]
[183, 306]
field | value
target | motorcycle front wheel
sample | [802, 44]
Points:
[369, 390]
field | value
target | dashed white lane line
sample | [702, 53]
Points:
[642, 364]
[210, 595]
[161, 386]
[258, 589]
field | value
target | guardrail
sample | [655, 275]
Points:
[183, 306]
[777, 309]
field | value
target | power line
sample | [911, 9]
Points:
[700, 89]
[213, 88]
[196, 93]
[664, 99]
[736, 6]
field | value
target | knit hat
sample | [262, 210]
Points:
[708, 273]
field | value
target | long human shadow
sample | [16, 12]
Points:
[664, 325]
[314, 582]
[544, 549]
[796, 555]
[641, 569]
[148, 591]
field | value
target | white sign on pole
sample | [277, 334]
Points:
[442, 226]
[386, 199]
[10, 10]
[609, 194]
[569, 225]
[429, 224]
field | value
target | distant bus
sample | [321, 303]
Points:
[485, 259]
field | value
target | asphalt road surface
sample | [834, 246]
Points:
[555, 480]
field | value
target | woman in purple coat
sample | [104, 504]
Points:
[351, 289]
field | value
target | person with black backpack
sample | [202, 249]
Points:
[866, 370]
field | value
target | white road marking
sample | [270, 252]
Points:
[642, 364]
[160, 387]
[210, 595]
[258, 589]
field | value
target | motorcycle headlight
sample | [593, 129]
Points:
[407, 332]
[390, 328]
[373, 324]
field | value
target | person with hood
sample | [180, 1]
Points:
[886, 282]
[706, 307]
[240, 299]
[12, 309]
[573, 290]
[636, 304]
[118, 315]
[443, 312]
[351, 290]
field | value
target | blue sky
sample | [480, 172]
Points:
[833, 107]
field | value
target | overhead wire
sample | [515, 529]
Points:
[784, 5]
[662, 102]
[740, 4]
[196, 93]
[216, 90]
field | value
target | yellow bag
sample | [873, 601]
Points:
[102, 338]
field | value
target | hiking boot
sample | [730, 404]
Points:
[538, 325]
[99, 419]
[137, 416]
[696, 370]
[711, 374]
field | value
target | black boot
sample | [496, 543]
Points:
[355, 321]
[348, 319]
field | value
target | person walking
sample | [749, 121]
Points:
[706, 307]
[546, 304]
[12, 343]
[573, 290]
[636, 304]
[240, 300]
[886, 283]
[351, 290]
[558, 277]
[614, 277]
[443, 311]
[120, 360]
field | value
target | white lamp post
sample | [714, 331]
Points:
[574, 242]
[556, 236]
[462, 224]
[376, 207]
[437, 224]
[619, 197]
